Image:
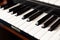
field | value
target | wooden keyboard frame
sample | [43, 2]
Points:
[13, 31]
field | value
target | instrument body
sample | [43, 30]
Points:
[31, 19]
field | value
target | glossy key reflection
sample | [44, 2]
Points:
[55, 25]
[46, 24]
[31, 13]
[43, 19]
[38, 13]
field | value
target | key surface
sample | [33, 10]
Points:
[29, 14]
[32, 24]
[46, 24]
[50, 34]
[22, 5]
[54, 26]
[56, 36]
[43, 19]
[35, 15]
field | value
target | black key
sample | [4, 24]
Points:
[25, 7]
[43, 19]
[38, 13]
[17, 8]
[54, 26]
[32, 17]
[32, 12]
[21, 11]
[29, 14]
[14, 8]
[46, 24]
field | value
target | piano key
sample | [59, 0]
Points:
[18, 7]
[26, 7]
[52, 1]
[40, 33]
[46, 24]
[56, 36]
[43, 34]
[19, 19]
[14, 8]
[29, 23]
[47, 1]
[5, 14]
[23, 5]
[14, 19]
[34, 30]
[50, 34]
[21, 11]
[18, 30]
[29, 14]
[35, 15]
[57, 2]
[43, 19]
[32, 24]
[54, 26]
[40, 0]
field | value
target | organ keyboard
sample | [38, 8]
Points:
[38, 20]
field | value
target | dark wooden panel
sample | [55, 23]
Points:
[10, 34]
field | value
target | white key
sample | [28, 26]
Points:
[27, 24]
[34, 21]
[6, 16]
[52, 1]
[41, 33]
[28, 29]
[40, 0]
[35, 30]
[20, 17]
[57, 3]
[13, 19]
[49, 33]
[56, 36]
[46, 1]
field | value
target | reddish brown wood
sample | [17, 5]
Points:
[13, 31]
[3, 3]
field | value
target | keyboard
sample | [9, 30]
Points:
[36, 19]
